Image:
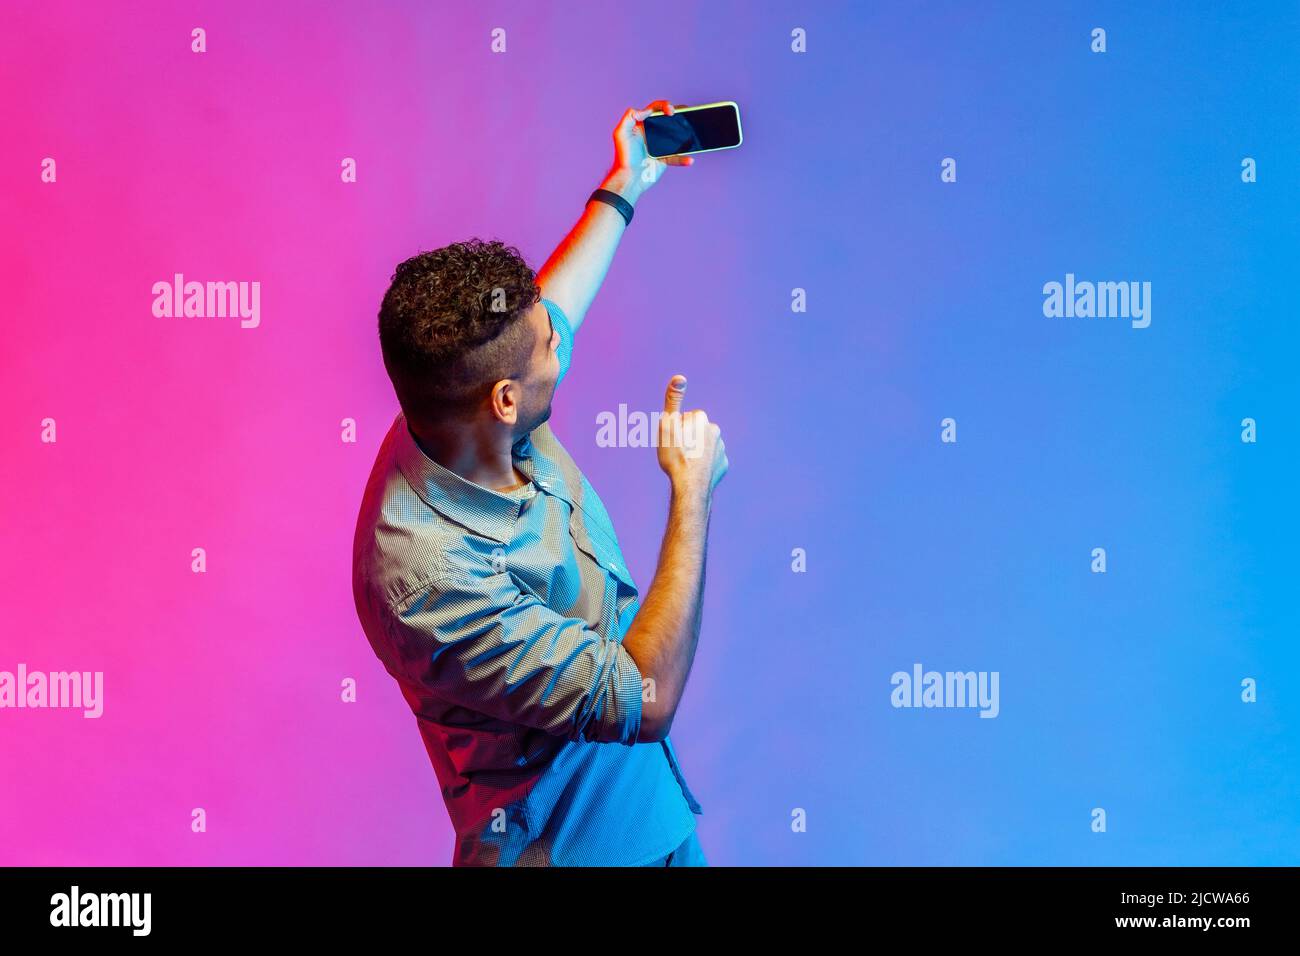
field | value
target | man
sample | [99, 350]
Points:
[487, 574]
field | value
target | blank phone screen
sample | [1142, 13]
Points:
[716, 127]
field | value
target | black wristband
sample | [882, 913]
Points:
[614, 199]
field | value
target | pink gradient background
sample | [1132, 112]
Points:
[222, 689]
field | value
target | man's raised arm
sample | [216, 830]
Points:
[574, 272]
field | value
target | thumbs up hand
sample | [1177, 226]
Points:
[691, 451]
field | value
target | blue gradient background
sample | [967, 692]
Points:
[1118, 691]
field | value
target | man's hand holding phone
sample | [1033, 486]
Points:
[635, 170]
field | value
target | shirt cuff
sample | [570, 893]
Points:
[628, 694]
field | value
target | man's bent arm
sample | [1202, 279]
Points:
[663, 635]
[666, 629]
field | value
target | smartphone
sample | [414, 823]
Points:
[693, 129]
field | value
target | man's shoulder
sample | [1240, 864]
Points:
[400, 543]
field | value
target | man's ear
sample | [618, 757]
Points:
[505, 401]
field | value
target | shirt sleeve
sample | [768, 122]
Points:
[565, 331]
[482, 643]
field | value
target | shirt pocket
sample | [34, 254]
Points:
[603, 551]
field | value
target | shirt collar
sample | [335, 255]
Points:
[481, 510]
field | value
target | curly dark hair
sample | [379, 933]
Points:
[450, 325]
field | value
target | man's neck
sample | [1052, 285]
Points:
[479, 457]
